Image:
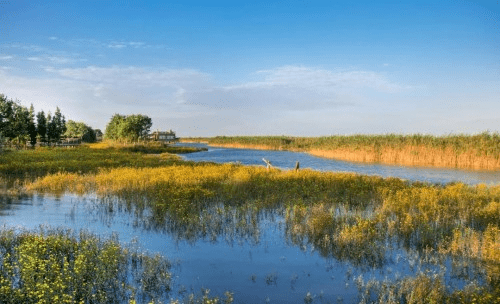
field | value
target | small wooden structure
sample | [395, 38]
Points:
[167, 136]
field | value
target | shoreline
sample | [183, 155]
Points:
[416, 156]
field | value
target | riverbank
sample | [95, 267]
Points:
[472, 152]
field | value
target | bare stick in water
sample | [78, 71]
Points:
[269, 165]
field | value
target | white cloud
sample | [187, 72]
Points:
[136, 44]
[34, 59]
[292, 88]
[133, 44]
[60, 59]
[285, 98]
[6, 57]
[117, 45]
[319, 79]
[29, 48]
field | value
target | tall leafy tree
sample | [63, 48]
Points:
[41, 126]
[80, 130]
[131, 127]
[6, 116]
[51, 128]
[136, 127]
[59, 124]
[113, 127]
[20, 123]
[31, 126]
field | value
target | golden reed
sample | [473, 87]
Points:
[406, 156]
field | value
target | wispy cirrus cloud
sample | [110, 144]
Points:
[115, 45]
[95, 93]
[132, 44]
[25, 47]
[54, 59]
[111, 44]
[298, 88]
[36, 53]
[320, 79]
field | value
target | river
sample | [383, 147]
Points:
[287, 160]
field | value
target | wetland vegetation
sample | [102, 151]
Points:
[353, 218]
[480, 151]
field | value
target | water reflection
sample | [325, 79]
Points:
[287, 160]
[257, 254]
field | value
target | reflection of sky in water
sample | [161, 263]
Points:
[270, 268]
[286, 160]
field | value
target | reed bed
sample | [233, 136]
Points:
[478, 152]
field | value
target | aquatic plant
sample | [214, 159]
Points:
[58, 266]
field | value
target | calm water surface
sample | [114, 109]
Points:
[286, 160]
[259, 263]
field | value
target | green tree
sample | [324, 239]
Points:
[6, 115]
[80, 130]
[19, 126]
[59, 124]
[136, 127]
[51, 128]
[41, 125]
[31, 126]
[113, 127]
[14, 119]
[131, 127]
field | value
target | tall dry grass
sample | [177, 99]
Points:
[477, 152]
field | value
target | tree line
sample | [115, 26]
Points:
[20, 125]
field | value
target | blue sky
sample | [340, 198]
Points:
[304, 68]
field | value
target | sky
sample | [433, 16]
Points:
[297, 68]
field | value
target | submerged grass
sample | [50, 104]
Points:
[481, 151]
